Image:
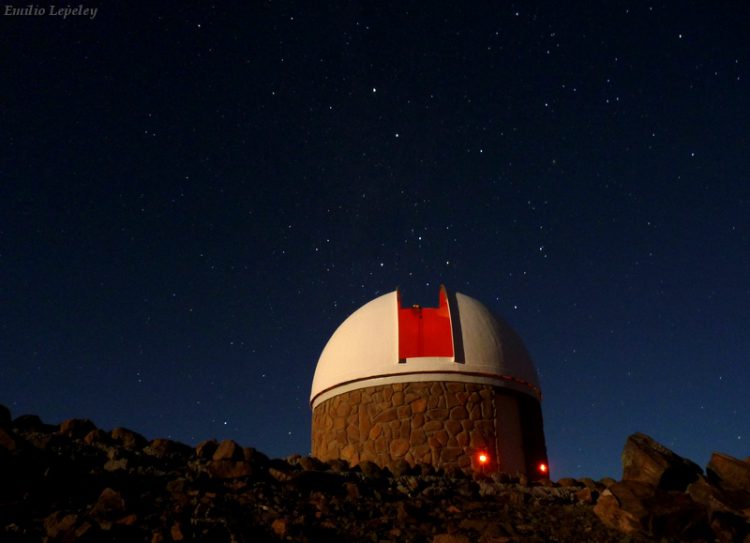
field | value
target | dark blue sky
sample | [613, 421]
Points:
[193, 198]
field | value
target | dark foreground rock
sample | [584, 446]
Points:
[665, 496]
[74, 482]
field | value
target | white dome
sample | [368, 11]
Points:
[468, 344]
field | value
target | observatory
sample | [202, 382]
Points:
[451, 385]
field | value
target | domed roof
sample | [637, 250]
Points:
[460, 340]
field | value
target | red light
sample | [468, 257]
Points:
[543, 467]
[483, 458]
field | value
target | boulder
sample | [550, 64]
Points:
[76, 428]
[29, 423]
[206, 449]
[371, 470]
[646, 461]
[167, 448]
[110, 503]
[96, 436]
[729, 472]
[310, 463]
[730, 527]
[450, 538]
[256, 458]
[8, 440]
[715, 498]
[638, 508]
[59, 523]
[587, 495]
[230, 469]
[401, 467]
[128, 438]
[228, 450]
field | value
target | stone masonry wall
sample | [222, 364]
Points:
[438, 423]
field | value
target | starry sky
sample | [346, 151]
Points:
[193, 197]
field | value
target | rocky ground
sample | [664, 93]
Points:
[73, 482]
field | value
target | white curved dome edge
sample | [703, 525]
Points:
[363, 352]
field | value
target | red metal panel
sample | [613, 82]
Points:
[425, 331]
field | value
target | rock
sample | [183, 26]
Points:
[279, 527]
[128, 520]
[319, 481]
[399, 447]
[371, 470]
[5, 419]
[28, 423]
[587, 495]
[621, 506]
[339, 465]
[352, 490]
[206, 449]
[593, 485]
[128, 438]
[228, 450]
[638, 508]
[59, 523]
[256, 458]
[115, 464]
[715, 498]
[76, 428]
[645, 460]
[401, 467]
[310, 463]
[177, 531]
[450, 538]
[164, 491]
[110, 503]
[729, 527]
[8, 440]
[280, 475]
[230, 469]
[161, 448]
[96, 436]
[729, 472]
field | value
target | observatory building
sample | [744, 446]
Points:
[451, 385]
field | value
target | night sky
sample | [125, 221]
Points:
[193, 198]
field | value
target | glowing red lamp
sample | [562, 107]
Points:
[542, 467]
[483, 458]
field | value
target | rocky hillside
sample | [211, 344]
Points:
[73, 482]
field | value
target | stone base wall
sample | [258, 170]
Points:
[439, 423]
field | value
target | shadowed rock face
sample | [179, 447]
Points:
[118, 486]
[645, 460]
[663, 495]
[729, 472]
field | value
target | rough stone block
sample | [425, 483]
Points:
[458, 413]
[419, 405]
[417, 421]
[437, 414]
[387, 415]
[645, 460]
[417, 437]
[432, 426]
[453, 426]
[729, 472]
[398, 447]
